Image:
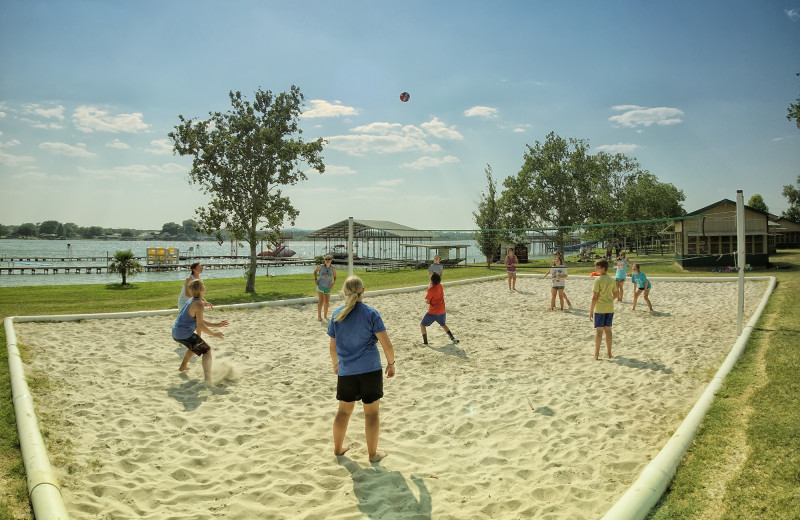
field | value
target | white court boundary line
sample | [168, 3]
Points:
[45, 493]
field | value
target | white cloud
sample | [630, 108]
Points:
[363, 144]
[618, 148]
[383, 137]
[635, 116]
[136, 171]
[331, 169]
[430, 162]
[93, 119]
[479, 111]
[321, 108]
[8, 144]
[67, 149]
[160, 147]
[440, 130]
[116, 143]
[15, 160]
[793, 14]
[625, 108]
[389, 183]
[46, 125]
[56, 112]
[519, 130]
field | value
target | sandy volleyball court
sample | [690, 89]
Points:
[516, 421]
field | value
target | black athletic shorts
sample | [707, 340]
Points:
[366, 388]
[194, 343]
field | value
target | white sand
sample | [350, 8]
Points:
[516, 421]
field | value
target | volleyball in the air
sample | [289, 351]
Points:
[405, 96]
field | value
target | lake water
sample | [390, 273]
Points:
[30, 253]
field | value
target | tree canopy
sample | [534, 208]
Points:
[561, 185]
[792, 194]
[242, 158]
[125, 265]
[555, 186]
[757, 202]
[488, 217]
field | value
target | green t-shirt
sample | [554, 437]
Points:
[604, 285]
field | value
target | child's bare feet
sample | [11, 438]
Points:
[344, 450]
[380, 454]
[183, 368]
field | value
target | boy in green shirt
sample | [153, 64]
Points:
[604, 292]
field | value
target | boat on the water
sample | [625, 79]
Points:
[339, 252]
[278, 252]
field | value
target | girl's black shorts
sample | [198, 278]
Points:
[366, 388]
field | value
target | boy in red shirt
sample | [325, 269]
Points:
[436, 310]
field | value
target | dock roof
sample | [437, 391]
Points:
[370, 229]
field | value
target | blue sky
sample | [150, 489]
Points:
[696, 91]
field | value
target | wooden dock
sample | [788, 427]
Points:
[52, 266]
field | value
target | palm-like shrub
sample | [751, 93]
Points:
[125, 265]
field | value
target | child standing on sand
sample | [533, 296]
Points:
[355, 331]
[436, 310]
[436, 266]
[603, 295]
[190, 319]
[511, 269]
[558, 272]
[621, 274]
[641, 286]
[324, 279]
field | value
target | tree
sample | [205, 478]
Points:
[757, 202]
[557, 186]
[49, 227]
[4, 230]
[70, 230]
[124, 264]
[792, 194]
[190, 229]
[488, 217]
[91, 231]
[794, 110]
[171, 228]
[27, 229]
[645, 198]
[242, 159]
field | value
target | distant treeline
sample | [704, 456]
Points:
[54, 230]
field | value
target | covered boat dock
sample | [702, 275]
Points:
[376, 243]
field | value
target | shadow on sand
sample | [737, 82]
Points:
[386, 494]
[451, 350]
[641, 365]
[193, 393]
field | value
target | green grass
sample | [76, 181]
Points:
[769, 474]
[745, 461]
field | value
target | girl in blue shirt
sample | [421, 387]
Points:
[641, 286]
[355, 331]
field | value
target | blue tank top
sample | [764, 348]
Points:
[325, 277]
[184, 325]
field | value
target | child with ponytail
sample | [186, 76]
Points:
[355, 331]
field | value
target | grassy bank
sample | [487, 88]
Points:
[776, 338]
[745, 461]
